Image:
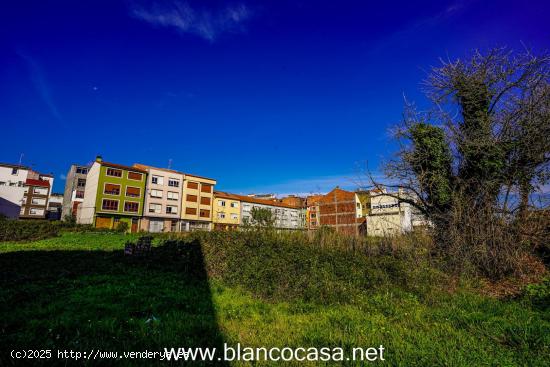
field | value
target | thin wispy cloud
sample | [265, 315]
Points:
[40, 84]
[206, 23]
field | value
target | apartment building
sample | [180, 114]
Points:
[285, 216]
[343, 211]
[163, 199]
[226, 211]
[114, 193]
[75, 185]
[197, 199]
[55, 206]
[313, 212]
[36, 195]
[12, 188]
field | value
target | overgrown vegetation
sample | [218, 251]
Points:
[261, 289]
[473, 162]
[28, 230]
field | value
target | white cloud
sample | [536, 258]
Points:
[208, 24]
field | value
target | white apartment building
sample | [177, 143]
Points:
[12, 188]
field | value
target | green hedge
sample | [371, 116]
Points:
[290, 266]
[25, 230]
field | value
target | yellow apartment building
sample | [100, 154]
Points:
[226, 213]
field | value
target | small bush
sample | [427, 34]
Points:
[122, 227]
[539, 293]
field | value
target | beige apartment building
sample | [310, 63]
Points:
[197, 199]
[163, 196]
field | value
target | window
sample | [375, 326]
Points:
[2, 183]
[37, 201]
[114, 172]
[155, 208]
[14, 171]
[173, 195]
[109, 204]
[204, 213]
[81, 182]
[40, 191]
[221, 202]
[192, 198]
[234, 204]
[192, 185]
[82, 170]
[205, 201]
[206, 188]
[234, 216]
[36, 211]
[79, 194]
[135, 176]
[191, 211]
[131, 206]
[156, 193]
[111, 189]
[173, 182]
[221, 215]
[170, 209]
[133, 192]
[157, 180]
[13, 183]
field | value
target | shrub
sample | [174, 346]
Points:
[122, 227]
[287, 266]
[25, 230]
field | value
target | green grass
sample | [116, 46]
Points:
[79, 292]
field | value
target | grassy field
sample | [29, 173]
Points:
[79, 292]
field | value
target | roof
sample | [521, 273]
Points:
[42, 183]
[248, 199]
[201, 177]
[339, 194]
[225, 195]
[128, 168]
[10, 165]
[313, 199]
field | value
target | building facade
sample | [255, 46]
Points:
[197, 199]
[226, 211]
[114, 193]
[36, 197]
[163, 196]
[75, 185]
[342, 210]
[313, 212]
[12, 188]
[285, 216]
[55, 207]
[388, 215]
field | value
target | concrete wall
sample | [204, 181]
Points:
[11, 190]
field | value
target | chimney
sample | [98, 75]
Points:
[99, 159]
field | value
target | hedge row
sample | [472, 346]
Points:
[25, 230]
[291, 267]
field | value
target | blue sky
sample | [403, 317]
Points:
[281, 96]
